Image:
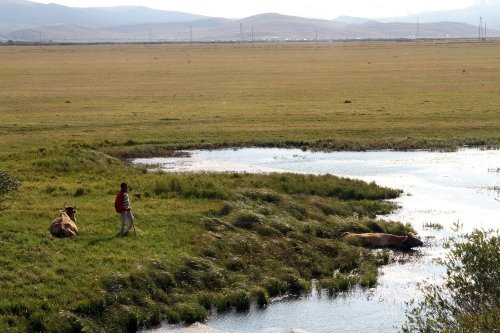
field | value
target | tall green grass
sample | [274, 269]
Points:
[204, 242]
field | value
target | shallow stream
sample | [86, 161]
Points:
[447, 189]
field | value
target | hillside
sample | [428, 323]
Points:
[21, 14]
[264, 27]
[27, 21]
[489, 11]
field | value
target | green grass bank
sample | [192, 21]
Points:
[203, 241]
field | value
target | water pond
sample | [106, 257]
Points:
[441, 191]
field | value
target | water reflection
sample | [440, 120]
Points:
[442, 189]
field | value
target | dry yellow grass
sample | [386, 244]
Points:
[204, 94]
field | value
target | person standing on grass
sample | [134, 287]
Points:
[122, 207]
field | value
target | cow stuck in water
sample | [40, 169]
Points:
[377, 240]
[64, 225]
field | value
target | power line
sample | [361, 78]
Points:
[480, 27]
[418, 28]
[316, 37]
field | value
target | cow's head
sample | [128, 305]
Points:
[70, 211]
[410, 241]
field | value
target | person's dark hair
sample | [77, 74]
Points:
[123, 185]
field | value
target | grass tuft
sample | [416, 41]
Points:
[247, 219]
[192, 312]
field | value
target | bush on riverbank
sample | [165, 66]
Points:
[469, 300]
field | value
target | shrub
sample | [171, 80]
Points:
[327, 247]
[210, 252]
[163, 188]
[241, 300]
[374, 226]
[80, 192]
[132, 321]
[225, 209]
[213, 279]
[214, 224]
[283, 228]
[192, 313]
[164, 280]
[246, 219]
[94, 306]
[396, 228]
[173, 316]
[469, 300]
[275, 287]
[296, 285]
[265, 196]
[206, 300]
[368, 280]
[262, 297]
[155, 317]
[339, 283]
[139, 280]
[235, 264]
[35, 322]
[382, 258]
[369, 272]
[116, 282]
[187, 276]
[334, 207]
[223, 302]
[8, 188]
[267, 231]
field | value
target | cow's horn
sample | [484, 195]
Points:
[65, 205]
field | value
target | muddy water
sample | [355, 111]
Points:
[459, 188]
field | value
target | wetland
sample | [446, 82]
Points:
[442, 192]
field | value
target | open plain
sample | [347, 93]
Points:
[401, 94]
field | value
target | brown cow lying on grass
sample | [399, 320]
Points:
[375, 240]
[64, 225]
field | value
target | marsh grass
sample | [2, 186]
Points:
[432, 225]
[205, 242]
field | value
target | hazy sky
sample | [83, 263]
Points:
[327, 9]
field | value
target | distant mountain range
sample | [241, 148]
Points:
[22, 20]
[21, 14]
[489, 11]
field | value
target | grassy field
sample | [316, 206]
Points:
[209, 240]
[403, 95]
